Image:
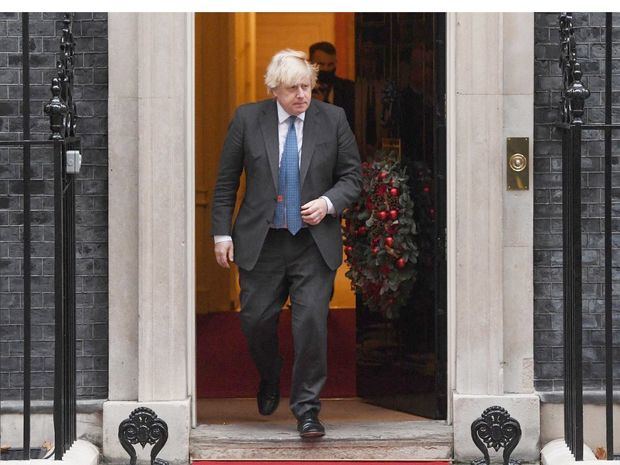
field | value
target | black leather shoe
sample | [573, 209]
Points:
[268, 397]
[309, 425]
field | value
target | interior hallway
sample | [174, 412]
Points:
[244, 411]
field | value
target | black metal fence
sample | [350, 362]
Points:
[65, 146]
[572, 126]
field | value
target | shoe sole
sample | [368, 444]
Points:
[266, 414]
[312, 434]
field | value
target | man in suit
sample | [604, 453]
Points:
[302, 170]
[331, 88]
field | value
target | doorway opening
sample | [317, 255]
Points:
[378, 367]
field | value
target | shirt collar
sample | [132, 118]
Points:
[283, 115]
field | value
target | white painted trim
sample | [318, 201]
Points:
[190, 213]
[557, 452]
[80, 453]
[451, 207]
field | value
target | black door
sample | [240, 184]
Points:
[401, 361]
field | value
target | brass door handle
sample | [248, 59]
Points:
[517, 162]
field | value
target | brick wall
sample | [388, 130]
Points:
[90, 94]
[548, 321]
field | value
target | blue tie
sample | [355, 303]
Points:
[288, 208]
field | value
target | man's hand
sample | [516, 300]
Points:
[224, 251]
[314, 211]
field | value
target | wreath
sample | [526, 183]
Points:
[379, 234]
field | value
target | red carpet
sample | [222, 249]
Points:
[224, 367]
[299, 462]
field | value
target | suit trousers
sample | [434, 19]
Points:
[289, 266]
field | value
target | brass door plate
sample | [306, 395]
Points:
[518, 163]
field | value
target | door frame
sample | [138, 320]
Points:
[451, 208]
[190, 216]
[450, 214]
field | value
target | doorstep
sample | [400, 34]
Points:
[391, 440]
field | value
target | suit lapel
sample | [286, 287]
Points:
[269, 128]
[309, 141]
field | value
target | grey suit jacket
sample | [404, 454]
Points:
[330, 166]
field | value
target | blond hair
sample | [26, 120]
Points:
[288, 67]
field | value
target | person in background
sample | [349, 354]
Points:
[331, 88]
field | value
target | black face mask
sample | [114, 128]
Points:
[327, 77]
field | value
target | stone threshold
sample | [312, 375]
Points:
[398, 440]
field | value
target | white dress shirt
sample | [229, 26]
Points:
[283, 126]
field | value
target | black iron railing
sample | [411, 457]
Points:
[572, 102]
[65, 146]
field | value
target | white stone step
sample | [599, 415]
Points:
[396, 440]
